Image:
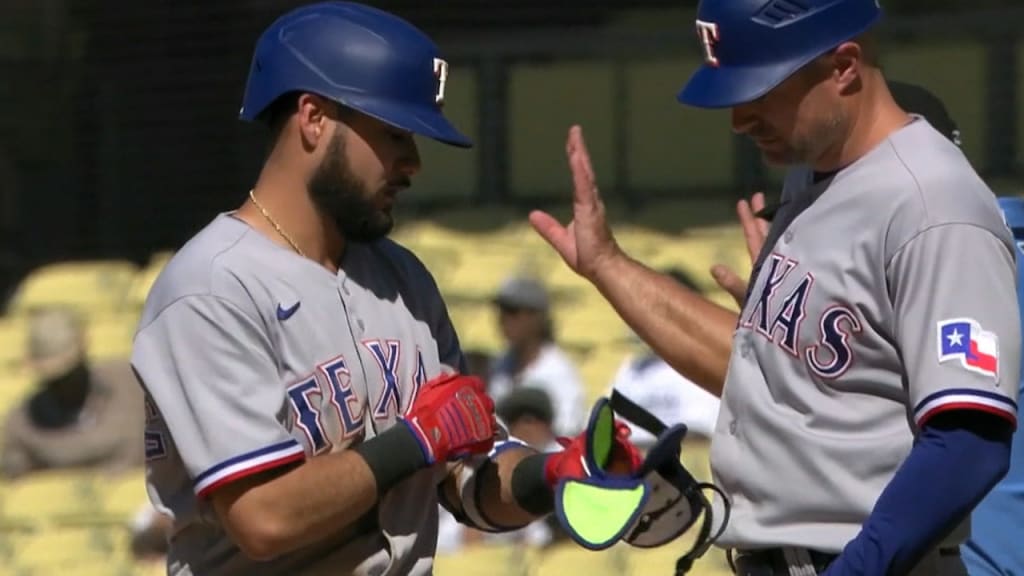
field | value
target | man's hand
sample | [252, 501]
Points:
[624, 460]
[587, 241]
[451, 418]
[755, 230]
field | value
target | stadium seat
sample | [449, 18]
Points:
[600, 367]
[84, 551]
[481, 560]
[480, 271]
[110, 335]
[123, 495]
[662, 560]
[12, 344]
[88, 286]
[569, 558]
[144, 279]
[52, 497]
[588, 323]
[476, 325]
[150, 568]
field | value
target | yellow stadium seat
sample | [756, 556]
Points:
[570, 558]
[110, 335]
[483, 266]
[476, 325]
[481, 560]
[88, 286]
[52, 497]
[122, 496]
[13, 344]
[588, 323]
[600, 367]
[150, 568]
[144, 279]
[662, 560]
[76, 551]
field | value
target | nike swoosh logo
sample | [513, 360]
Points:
[286, 313]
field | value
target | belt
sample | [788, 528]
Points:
[780, 561]
[791, 561]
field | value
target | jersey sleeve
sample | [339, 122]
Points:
[209, 369]
[953, 289]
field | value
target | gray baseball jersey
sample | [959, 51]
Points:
[891, 298]
[253, 357]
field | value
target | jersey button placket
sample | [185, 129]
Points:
[346, 296]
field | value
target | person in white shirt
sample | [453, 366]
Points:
[533, 358]
[650, 382]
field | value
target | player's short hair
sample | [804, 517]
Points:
[281, 110]
[277, 114]
[870, 55]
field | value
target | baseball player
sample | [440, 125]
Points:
[994, 547]
[869, 383]
[305, 406]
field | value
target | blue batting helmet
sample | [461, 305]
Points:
[1013, 210]
[361, 57]
[751, 46]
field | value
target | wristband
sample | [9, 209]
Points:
[529, 486]
[392, 456]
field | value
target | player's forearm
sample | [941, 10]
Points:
[497, 498]
[691, 333]
[322, 496]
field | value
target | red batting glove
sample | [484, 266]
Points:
[452, 417]
[624, 460]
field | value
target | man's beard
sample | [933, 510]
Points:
[819, 139]
[337, 193]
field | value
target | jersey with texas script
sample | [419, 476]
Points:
[253, 357]
[889, 299]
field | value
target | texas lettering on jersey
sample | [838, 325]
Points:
[830, 355]
[328, 392]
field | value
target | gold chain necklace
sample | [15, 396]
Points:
[274, 224]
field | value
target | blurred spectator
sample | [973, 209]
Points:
[530, 417]
[83, 415]
[651, 383]
[532, 358]
[478, 363]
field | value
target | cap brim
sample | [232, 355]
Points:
[429, 122]
[712, 87]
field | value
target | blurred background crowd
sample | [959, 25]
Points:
[120, 140]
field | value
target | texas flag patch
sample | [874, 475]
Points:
[964, 339]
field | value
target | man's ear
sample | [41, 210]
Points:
[847, 63]
[312, 118]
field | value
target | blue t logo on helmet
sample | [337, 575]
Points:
[361, 57]
[751, 46]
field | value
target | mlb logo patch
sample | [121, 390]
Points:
[964, 339]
